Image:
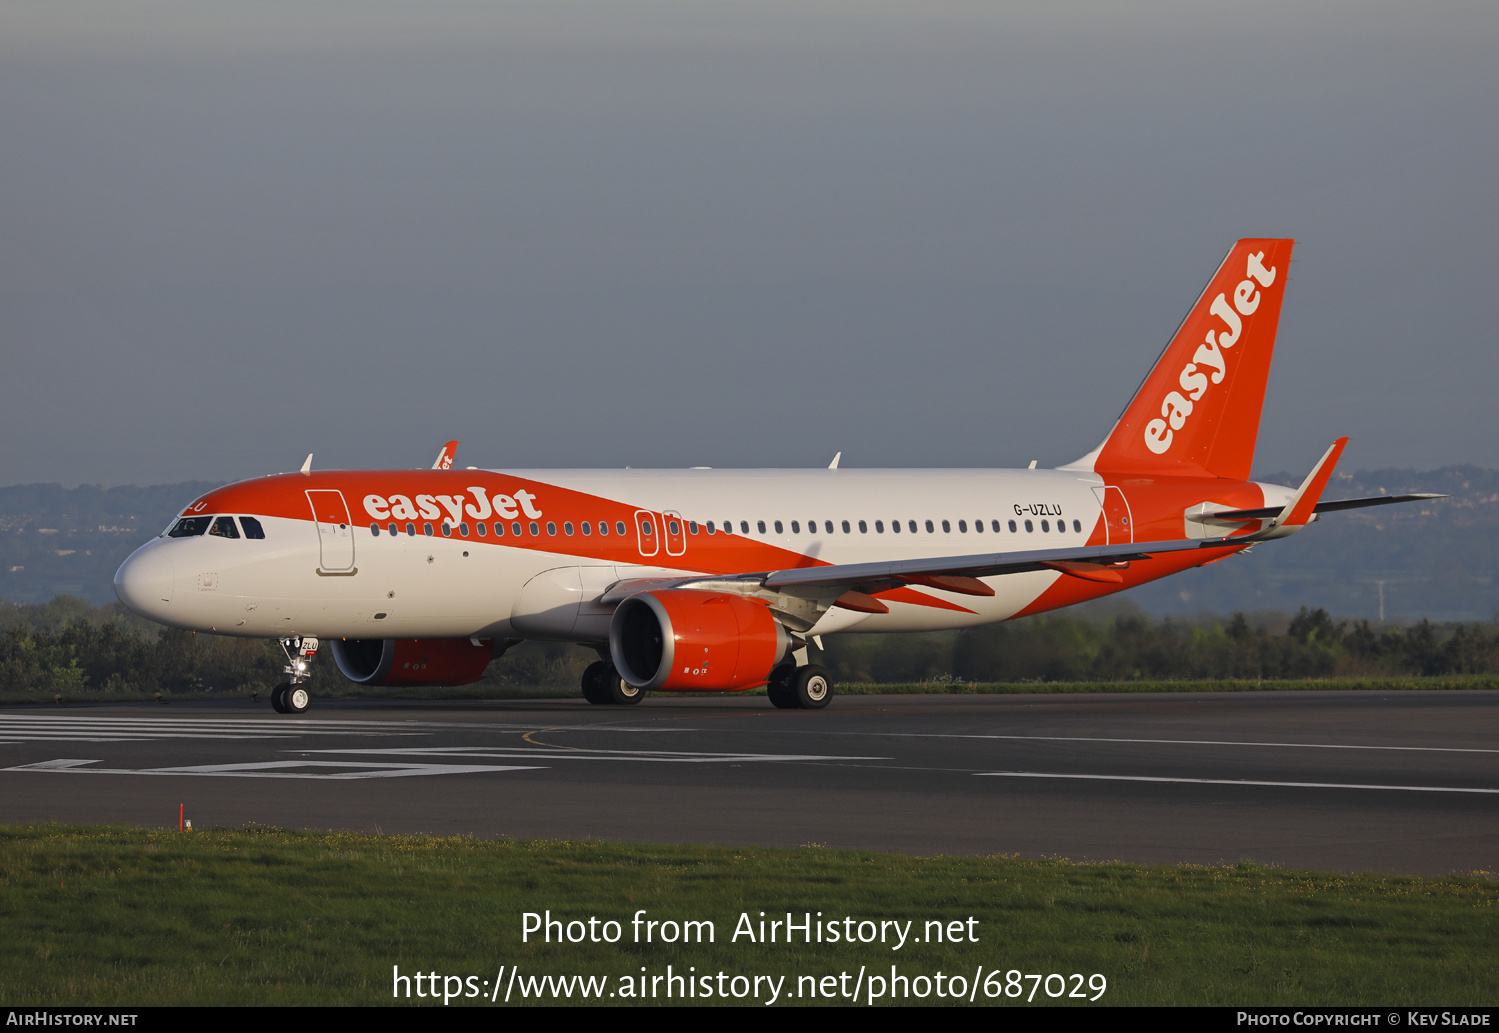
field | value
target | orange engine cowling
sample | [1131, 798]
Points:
[683, 640]
[412, 661]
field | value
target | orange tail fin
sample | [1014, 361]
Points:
[1198, 411]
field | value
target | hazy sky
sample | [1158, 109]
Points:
[725, 234]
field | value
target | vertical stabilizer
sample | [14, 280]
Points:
[1198, 412]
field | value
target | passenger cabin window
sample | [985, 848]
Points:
[375, 530]
[863, 527]
[946, 527]
[619, 528]
[481, 529]
[223, 527]
[190, 527]
[779, 529]
[879, 527]
[744, 527]
[1012, 526]
[392, 528]
[1028, 527]
[463, 528]
[252, 528]
[587, 528]
[761, 525]
[1077, 525]
[796, 527]
[929, 527]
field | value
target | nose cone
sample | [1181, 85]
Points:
[144, 581]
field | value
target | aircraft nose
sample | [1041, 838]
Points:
[144, 581]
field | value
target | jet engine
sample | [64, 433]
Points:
[412, 661]
[683, 639]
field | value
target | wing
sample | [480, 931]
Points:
[1091, 562]
[853, 585]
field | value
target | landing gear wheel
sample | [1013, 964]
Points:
[278, 698]
[811, 687]
[596, 682]
[621, 692]
[779, 688]
[296, 699]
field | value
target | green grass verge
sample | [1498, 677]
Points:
[117, 916]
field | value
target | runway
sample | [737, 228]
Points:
[1352, 781]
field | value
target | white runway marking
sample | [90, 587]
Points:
[1179, 742]
[17, 728]
[1235, 782]
[575, 753]
[276, 769]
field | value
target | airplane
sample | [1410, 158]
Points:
[707, 580]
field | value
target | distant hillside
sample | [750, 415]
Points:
[1437, 560]
[55, 540]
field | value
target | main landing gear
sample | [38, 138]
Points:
[603, 685]
[292, 698]
[809, 687]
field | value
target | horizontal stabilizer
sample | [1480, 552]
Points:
[1323, 507]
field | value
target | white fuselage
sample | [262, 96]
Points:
[447, 581]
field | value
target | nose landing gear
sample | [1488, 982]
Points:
[292, 698]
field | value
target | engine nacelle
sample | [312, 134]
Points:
[684, 640]
[412, 661]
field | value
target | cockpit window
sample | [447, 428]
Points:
[253, 528]
[190, 527]
[223, 527]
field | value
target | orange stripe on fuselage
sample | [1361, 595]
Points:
[1159, 505]
[720, 553]
[915, 598]
[284, 495]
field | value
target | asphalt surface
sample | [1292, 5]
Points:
[1352, 781]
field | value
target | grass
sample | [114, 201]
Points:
[119, 916]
